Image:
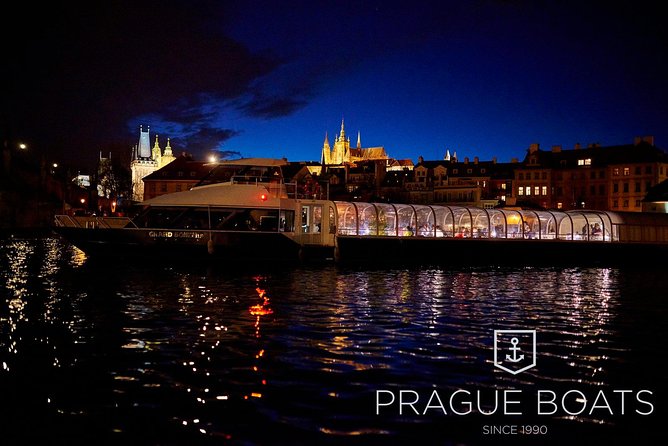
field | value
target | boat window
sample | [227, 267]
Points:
[305, 219]
[287, 221]
[406, 216]
[218, 217]
[332, 221]
[347, 218]
[159, 218]
[316, 223]
[425, 221]
[387, 219]
[367, 219]
[244, 219]
[480, 224]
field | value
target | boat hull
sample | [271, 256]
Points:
[183, 245]
[494, 252]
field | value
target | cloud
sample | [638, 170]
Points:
[203, 139]
[82, 72]
[275, 107]
[228, 154]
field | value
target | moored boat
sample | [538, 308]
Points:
[249, 216]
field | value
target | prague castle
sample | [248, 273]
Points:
[343, 154]
[146, 161]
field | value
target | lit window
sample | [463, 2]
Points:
[627, 171]
[544, 190]
[520, 191]
[615, 171]
[560, 205]
[536, 190]
[503, 186]
[528, 190]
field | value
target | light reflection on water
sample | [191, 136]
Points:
[172, 353]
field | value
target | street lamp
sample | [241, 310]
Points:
[22, 146]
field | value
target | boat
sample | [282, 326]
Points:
[254, 214]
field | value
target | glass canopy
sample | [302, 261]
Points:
[412, 220]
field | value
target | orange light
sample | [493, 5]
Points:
[263, 197]
[260, 310]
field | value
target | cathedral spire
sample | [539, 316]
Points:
[156, 148]
[359, 139]
[325, 156]
[447, 155]
[168, 149]
[343, 131]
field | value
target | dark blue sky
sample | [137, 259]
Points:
[261, 78]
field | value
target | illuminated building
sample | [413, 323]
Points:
[342, 153]
[146, 161]
[615, 178]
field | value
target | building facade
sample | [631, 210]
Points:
[615, 178]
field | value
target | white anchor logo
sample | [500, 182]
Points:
[520, 355]
[515, 349]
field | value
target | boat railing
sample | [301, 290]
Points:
[66, 221]
[91, 222]
[277, 187]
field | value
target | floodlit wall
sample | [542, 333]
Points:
[406, 220]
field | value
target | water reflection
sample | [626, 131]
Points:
[183, 352]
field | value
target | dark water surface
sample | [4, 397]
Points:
[167, 353]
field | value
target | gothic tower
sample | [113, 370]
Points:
[341, 152]
[146, 161]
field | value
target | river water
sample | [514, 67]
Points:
[171, 353]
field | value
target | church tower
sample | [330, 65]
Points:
[341, 152]
[326, 156]
[145, 161]
[167, 157]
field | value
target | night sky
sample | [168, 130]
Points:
[269, 79]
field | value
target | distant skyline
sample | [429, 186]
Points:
[271, 79]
